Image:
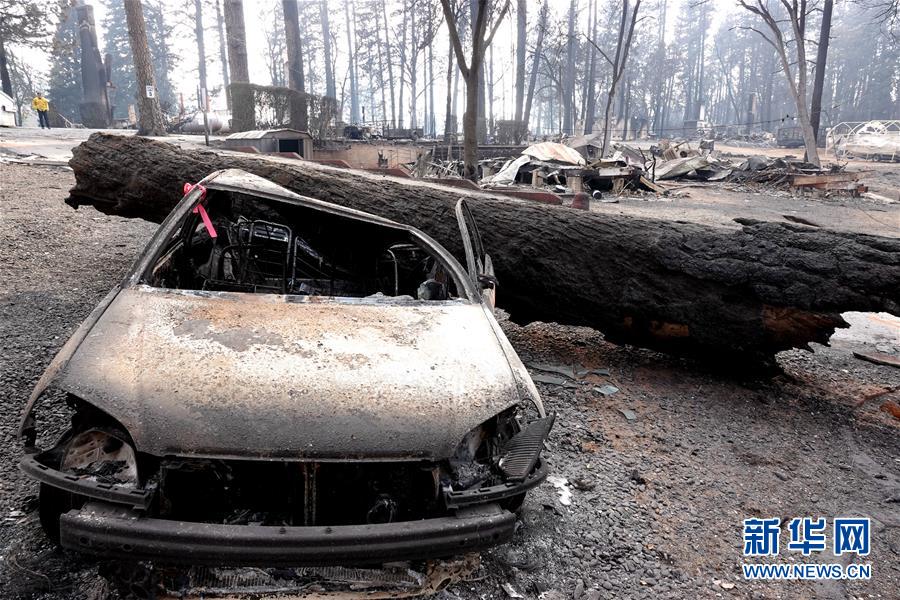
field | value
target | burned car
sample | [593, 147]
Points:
[284, 381]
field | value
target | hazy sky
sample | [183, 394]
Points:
[184, 46]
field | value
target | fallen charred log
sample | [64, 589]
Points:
[674, 286]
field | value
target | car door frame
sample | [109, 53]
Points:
[479, 265]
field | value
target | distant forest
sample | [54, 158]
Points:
[552, 66]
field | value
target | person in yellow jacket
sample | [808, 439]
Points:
[42, 107]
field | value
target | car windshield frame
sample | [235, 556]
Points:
[220, 180]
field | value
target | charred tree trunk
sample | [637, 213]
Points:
[237, 41]
[568, 77]
[472, 72]
[448, 115]
[223, 54]
[390, 63]
[350, 24]
[150, 120]
[326, 45]
[521, 23]
[535, 62]
[201, 67]
[728, 295]
[294, 43]
[815, 111]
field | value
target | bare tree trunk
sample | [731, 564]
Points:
[591, 99]
[476, 7]
[201, 65]
[95, 107]
[490, 90]
[151, 121]
[448, 117]
[622, 47]
[237, 41]
[413, 69]
[294, 43]
[535, 62]
[821, 60]
[223, 54]
[390, 62]
[660, 74]
[796, 12]
[351, 51]
[381, 68]
[403, 50]
[326, 43]
[471, 72]
[568, 78]
[521, 24]
[431, 124]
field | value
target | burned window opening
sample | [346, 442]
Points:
[258, 245]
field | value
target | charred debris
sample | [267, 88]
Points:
[572, 172]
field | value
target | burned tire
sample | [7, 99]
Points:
[53, 503]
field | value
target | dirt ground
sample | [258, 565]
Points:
[661, 472]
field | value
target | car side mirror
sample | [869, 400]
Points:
[488, 282]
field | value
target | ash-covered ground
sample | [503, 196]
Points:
[660, 473]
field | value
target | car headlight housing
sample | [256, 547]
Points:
[102, 453]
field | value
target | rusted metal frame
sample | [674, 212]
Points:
[103, 530]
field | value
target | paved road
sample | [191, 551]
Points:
[57, 144]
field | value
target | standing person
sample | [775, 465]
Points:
[42, 107]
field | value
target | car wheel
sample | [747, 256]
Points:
[52, 504]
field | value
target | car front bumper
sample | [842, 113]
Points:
[107, 530]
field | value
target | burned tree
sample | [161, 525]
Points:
[201, 66]
[623, 46]
[535, 62]
[223, 53]
[150, 120]
[471, 70]
[94, 108]
[730, 295]
[326, 42]
[796, 12]
[294, 42]
[243, 111]
[815, 109]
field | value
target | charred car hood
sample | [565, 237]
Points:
[268, 376]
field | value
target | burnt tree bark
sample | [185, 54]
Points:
[728, 295]
[472, 71]
[815, 110]
[223, 53]
[150, 117]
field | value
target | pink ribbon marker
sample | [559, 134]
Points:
[201, 209]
